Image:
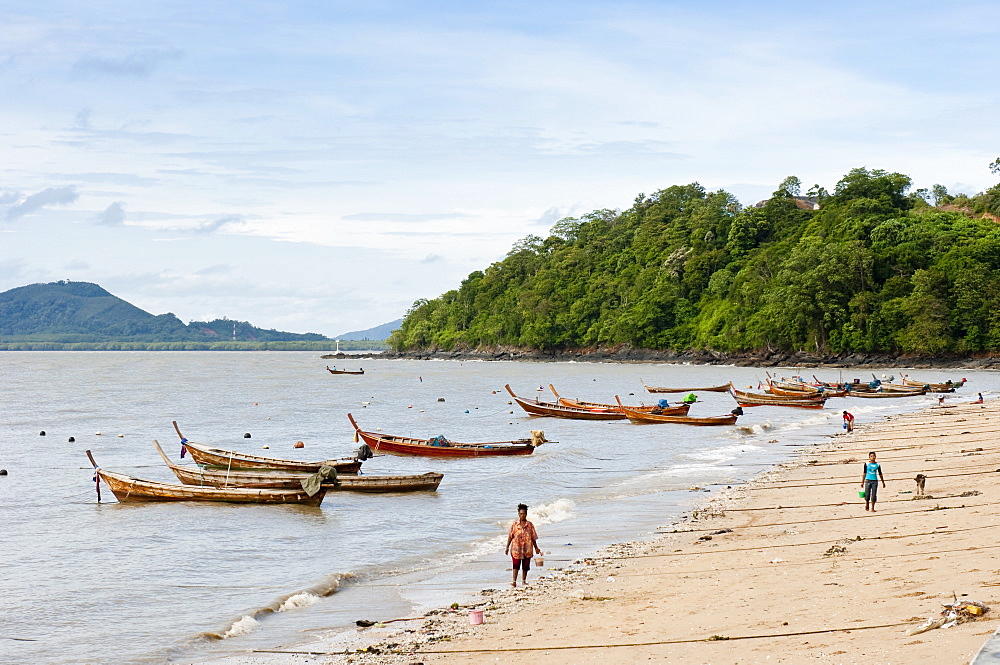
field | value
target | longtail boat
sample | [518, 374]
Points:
[214, 477]
[887, 394]
[756, 399]
[793, 389]
[437, 447]
[712, 389]
[553, 410]
[644, 417]
[229, 459]
[946, 387]
[135, 490]
[345, 371]
[679, 410]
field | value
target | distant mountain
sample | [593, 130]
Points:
[377, 333]
[84, 312]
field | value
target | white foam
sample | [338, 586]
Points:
[298, 601]
[243, 626]
[550, 513]
[722, 453]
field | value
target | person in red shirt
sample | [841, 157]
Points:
[522, 543]
[849, 421]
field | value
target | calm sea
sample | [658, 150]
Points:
[82, 581]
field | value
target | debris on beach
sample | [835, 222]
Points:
[959, 611]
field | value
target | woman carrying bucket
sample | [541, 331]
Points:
[869, 482]
[522, 542]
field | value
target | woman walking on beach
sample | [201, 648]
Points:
[522, 543]
[869, 481]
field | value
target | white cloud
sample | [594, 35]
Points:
[137, 64]
[47, 197]
[113, 215]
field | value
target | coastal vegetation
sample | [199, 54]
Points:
[871, 267]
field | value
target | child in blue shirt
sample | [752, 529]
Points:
[869, 481]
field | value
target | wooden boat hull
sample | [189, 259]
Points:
[135, 490]
[641, 417]
[408, 446]
[887, 394]
[753, 399]
[552, 410]
[230, 459]
[807, 391]
[756, 399]
[934, 387]
[711, 389]
[679, 410]
[743, 401]
[214, 477]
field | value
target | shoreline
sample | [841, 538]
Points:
[860, 361]
[795, 567]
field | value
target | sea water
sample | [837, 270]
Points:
[82, 581]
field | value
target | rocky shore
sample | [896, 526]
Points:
[627, 354]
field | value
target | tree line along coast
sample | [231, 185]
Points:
[872, 268]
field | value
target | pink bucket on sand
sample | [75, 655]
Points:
[475, 617]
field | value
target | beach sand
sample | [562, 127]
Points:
[800, 573]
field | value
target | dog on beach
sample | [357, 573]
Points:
[921, 479]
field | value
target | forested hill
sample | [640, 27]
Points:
[875, 269]
[67, 312]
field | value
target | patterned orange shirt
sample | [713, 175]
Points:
[523, 537]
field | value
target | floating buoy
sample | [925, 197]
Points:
[72, 439]
[42, 433]
[247, 435]
[299, 444]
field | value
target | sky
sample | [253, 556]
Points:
[319, 166]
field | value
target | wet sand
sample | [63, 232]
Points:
[788, 568]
